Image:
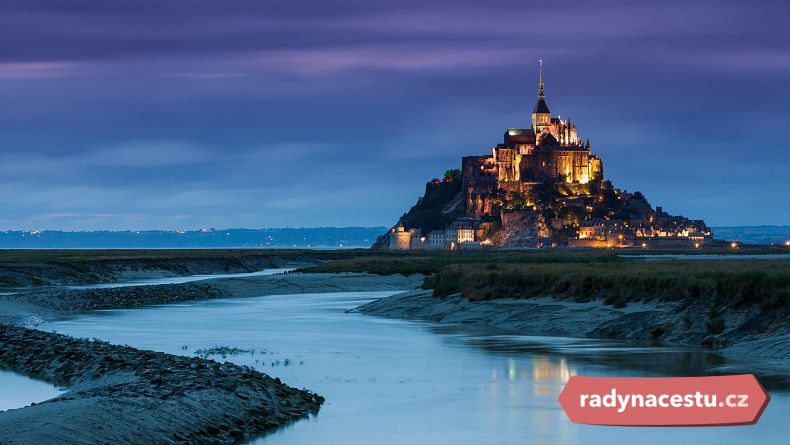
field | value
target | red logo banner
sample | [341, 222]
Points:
[668, 401]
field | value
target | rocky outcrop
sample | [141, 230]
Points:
[521, 229]
[441, 204]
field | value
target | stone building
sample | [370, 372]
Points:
[452, 237]
[459, 232]
[550, 150]
[400, 238]
[436, 239]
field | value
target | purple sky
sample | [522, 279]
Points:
[189, 113]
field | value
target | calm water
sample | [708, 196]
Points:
[17, 391]
[400, 382]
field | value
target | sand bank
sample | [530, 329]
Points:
[119, 394]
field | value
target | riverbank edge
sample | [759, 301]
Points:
[663, 323]
[119, 394]
[27, 275]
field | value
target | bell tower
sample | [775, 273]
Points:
[541, 116]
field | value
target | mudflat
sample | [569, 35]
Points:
[666, 322]
[119, 394]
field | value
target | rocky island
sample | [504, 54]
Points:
[541, 187]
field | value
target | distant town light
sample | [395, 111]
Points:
[696, 245]
[644, 245]
[734, 245]
[787, 243]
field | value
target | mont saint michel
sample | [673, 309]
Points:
[542, 186]
[402, 223]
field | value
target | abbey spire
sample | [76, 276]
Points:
[541, 116]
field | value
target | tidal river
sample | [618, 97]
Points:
[400, 382]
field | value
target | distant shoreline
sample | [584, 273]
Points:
[319, 238]
[268, 238]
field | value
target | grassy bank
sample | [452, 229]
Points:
[23, 268]
[476, 275]
[356, 260]
[731, 283]
[582, 275]
[427, 263]
[94, 255]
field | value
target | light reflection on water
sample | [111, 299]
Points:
[392, 381]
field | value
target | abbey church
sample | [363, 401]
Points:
[550, 150]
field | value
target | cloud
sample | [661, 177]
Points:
[152, 113]
[207, 75]
[36, 70]
[145, 154]
[336, 61]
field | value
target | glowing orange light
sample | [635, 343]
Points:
[734, 245]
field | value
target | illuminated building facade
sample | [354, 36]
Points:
[549, 151]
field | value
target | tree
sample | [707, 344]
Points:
[452, 174]
[516, 201]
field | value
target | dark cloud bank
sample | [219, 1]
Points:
[187, 114]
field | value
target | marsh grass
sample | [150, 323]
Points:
[582, 276]
[76, 257]
[731, 283]
[427, 263]
[481, 275]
